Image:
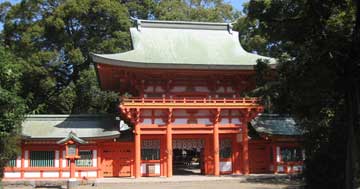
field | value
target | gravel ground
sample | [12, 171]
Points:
[177, 185]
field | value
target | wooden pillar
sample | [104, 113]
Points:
[245, 145]
[22, 161]
[137, 152]
[72, 168]
[216, 144]
[236, 155]
[275, 158]
[169, 147]
[137, 145]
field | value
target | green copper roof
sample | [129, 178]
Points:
[59, 126]
[172, 44]
[274, 124]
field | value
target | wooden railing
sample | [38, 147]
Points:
[191, 100]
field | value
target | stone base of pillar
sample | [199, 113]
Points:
[72, 183]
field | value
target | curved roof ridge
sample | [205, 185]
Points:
[183, 25]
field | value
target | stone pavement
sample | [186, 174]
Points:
[176, 182]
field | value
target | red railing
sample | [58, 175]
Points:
[192, 100]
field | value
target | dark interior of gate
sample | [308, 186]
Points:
[188, 157]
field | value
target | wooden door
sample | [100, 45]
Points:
[117, 160]
[123, 162]
[108, 162]
[259, 158]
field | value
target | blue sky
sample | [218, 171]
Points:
[236, 3]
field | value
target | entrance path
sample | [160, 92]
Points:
[266, 181]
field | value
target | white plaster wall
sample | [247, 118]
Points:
[57, 161]
[180, 121]
[33, 174]
[303, 154]
[230, 89]
[147, 121]
[159, 121]
[94, 160]
[225, 166]
[220, 90]
[201, 89]
[178, 89]
[26, 158]
[51, 174]
[88, 174]
[159, 89]
[277, 154]
[157, 168]
[18, 162]
[64, 161]
[235, 121]
[225, 121]
[143, 168]
[65, 174]
[149, 89]
[205, 121]
[280, 168]
[12, 175]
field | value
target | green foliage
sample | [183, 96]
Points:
[195, 10]
[314, 44]
[58, 37]
[12, 106]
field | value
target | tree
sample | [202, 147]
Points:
[56, 37]
[317, 46]
[195, 10]
[12, 106]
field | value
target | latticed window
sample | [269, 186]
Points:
[150, 150]
[85, 159]
[42, 158]
[11, 163]
[225, 148]
[291, 154]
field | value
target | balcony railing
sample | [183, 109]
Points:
[194, 102]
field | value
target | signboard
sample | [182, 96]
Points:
[71, 150]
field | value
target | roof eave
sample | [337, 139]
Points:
[24, 137]
[103, 60]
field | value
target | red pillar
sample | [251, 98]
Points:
[137, 152]
[236, 156]
[169, 150]
[274, 158]
[72, 168]
[245, 149]
[169, 147]
[216, 150]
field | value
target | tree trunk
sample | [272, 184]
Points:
[352, 102]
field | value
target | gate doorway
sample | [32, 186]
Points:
[188, 156]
